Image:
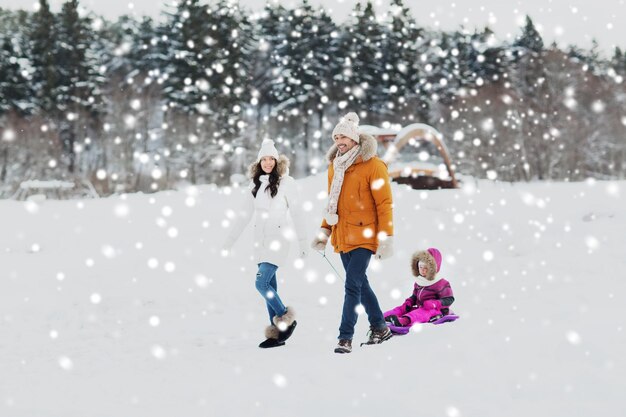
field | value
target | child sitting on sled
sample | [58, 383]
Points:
[432, 295]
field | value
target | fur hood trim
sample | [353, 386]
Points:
[368, 144]
[428, 259]
[283, 167]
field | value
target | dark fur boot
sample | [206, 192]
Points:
[271, 341]
[285, 324]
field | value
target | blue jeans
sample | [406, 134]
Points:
[267, 286]
[358, 291]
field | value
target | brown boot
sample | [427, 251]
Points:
[344, 346]
[377, 336]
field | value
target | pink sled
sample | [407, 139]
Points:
[400, 330]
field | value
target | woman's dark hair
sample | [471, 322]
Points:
[274, 179]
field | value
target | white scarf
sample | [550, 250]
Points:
[423, 282]
[340, 164]
[263, 198]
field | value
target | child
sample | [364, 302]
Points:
[432, 295]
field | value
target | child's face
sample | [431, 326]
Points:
[423, 268]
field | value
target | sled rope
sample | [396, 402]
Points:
[323, 253]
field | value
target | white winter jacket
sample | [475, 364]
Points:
[277, 225]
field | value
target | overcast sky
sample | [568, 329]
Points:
[563, 21]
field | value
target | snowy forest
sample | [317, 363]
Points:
[140, 105]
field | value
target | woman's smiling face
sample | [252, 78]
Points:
[267, 164]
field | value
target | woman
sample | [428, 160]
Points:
[273, 194]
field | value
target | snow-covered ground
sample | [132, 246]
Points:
[123, 307]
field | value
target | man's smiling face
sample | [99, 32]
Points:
[344, 143]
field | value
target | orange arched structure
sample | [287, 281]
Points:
[418, 176]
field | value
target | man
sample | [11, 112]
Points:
[359, 221]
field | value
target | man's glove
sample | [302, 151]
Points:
[321, 239]
[385, 249]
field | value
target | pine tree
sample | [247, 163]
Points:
[45, 78]
[271, 34]
[530, 83]
[618, 62]
[15, 86]
[307, 71]
[78, 84]
[491, 63]
[444, 76]
[363, 65]
[230, 39]
[402, 70]
[474, 62]
[210, 64]
[530, 39]
[147, 54]
[16, 96]
[208, 82]
[130, 48]
[187, 82]
[327, 62]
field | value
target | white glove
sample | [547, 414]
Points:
[321, 239]
[385, 249]
[304, 249]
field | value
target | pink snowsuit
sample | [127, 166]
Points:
[426, 301]
[413, 307]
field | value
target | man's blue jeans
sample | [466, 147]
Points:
[267, 286]
[358, 291]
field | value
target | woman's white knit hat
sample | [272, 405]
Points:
[267, 149]
[348, 126]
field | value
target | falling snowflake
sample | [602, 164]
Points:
[280, 380]
[158, 352]
[592, 243]
[202, 281]
[121, 210]
[66, 363]
[573, 337]
[108, 252]
[275, 245]
[452, 411]
[378, 183]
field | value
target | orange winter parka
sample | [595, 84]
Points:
[365, 206]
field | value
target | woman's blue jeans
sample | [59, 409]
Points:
[267, 286]
[358, 291]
